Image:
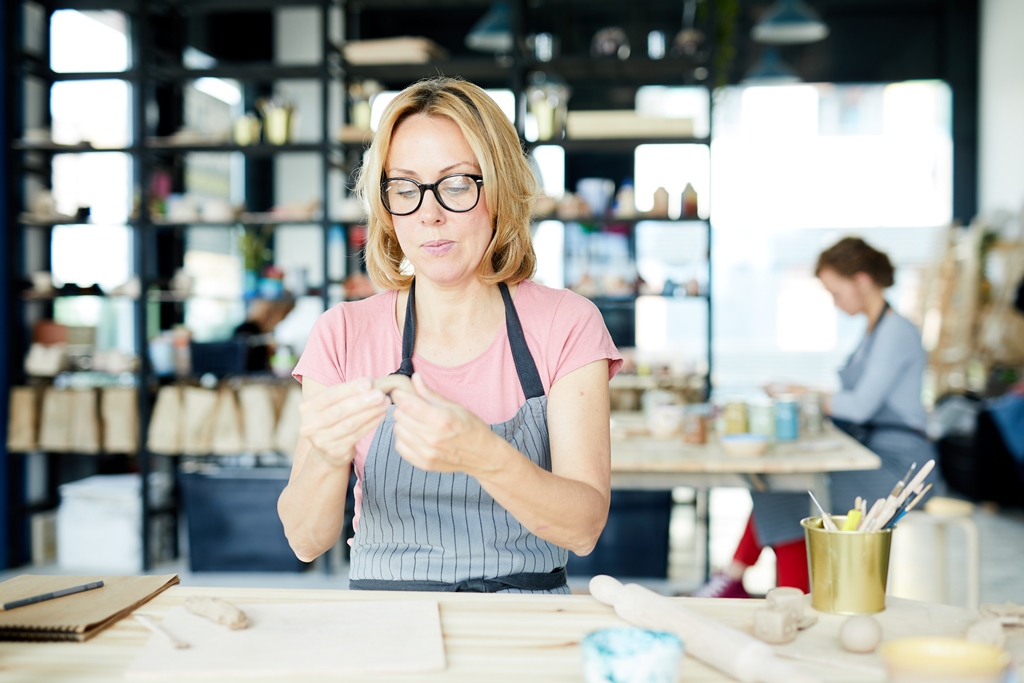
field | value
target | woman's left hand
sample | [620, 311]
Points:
[438, 435]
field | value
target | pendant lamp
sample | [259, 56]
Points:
[770, 69]
[493, 31]
[789, 22]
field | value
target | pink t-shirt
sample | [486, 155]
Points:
[564, 331]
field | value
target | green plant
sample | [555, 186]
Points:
[253, 245]
[724, 32]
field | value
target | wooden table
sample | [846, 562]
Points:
[494, 638]
[643, 462]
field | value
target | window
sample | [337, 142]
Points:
[793, 169]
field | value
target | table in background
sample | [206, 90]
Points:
[494, 638]
[641, 461]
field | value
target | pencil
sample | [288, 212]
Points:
[50, 596]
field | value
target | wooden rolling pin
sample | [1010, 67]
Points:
[732, 652]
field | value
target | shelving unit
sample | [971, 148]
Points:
[153, 66]
[150, 67]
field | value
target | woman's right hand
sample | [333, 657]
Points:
[335, 419]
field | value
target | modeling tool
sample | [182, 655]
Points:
[826, 519]
[161, 631]
[872, 513]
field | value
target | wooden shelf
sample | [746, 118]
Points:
[240, 72]
[608, 71]
[615, 144]
[609, 220]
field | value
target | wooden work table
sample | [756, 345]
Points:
[640, 461]
[513, 638]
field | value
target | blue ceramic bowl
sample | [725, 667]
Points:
[631, 655]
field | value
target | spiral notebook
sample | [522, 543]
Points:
[74, 617]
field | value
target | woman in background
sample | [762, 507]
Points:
[879, 404]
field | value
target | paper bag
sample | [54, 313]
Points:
[23, 419]
[55, 424]
[286, 436]
[198, 405]
[165, 424]
[257, 417]
[119, 409]
[85, 422]
[227, 430]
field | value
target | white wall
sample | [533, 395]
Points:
[1001, 115]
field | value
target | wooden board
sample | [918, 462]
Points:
[292, 640]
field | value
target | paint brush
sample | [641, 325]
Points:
[826, 519]
[892, 502]
[910, 506]
[918, 480]
[915, 485]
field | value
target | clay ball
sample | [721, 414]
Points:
[860, 634]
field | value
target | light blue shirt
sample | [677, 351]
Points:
[882, 380]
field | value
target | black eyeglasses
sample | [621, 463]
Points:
[458, 193]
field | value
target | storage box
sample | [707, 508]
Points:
[233, 523]
[99, 522]
[634, 542]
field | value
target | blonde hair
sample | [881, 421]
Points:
[508, 181]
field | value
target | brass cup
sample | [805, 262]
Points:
[848, 569]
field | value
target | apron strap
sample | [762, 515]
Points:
[408, 334]
[526, 368]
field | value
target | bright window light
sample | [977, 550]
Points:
[548, 242]
[100, 181]
[805, 318]
[226, 91]
[673, 329]
[91, 255]
[774, 166]
[676, 103]
[794, 169]
[91, 111]
[551, 164]
[672, 167]
[89, 41]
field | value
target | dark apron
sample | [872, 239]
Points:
[440, 531]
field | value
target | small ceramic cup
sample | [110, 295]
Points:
[944, 660]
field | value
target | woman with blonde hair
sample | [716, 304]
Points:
[496, 461]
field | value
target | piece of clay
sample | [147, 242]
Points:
[218, 611]
[1008, 613]
[775, 626]
[860, 634]
[987, 631]
[791, 600]
[390, 383]
[808, 621]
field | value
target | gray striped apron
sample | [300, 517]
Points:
[441, 531]
[777, 515]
